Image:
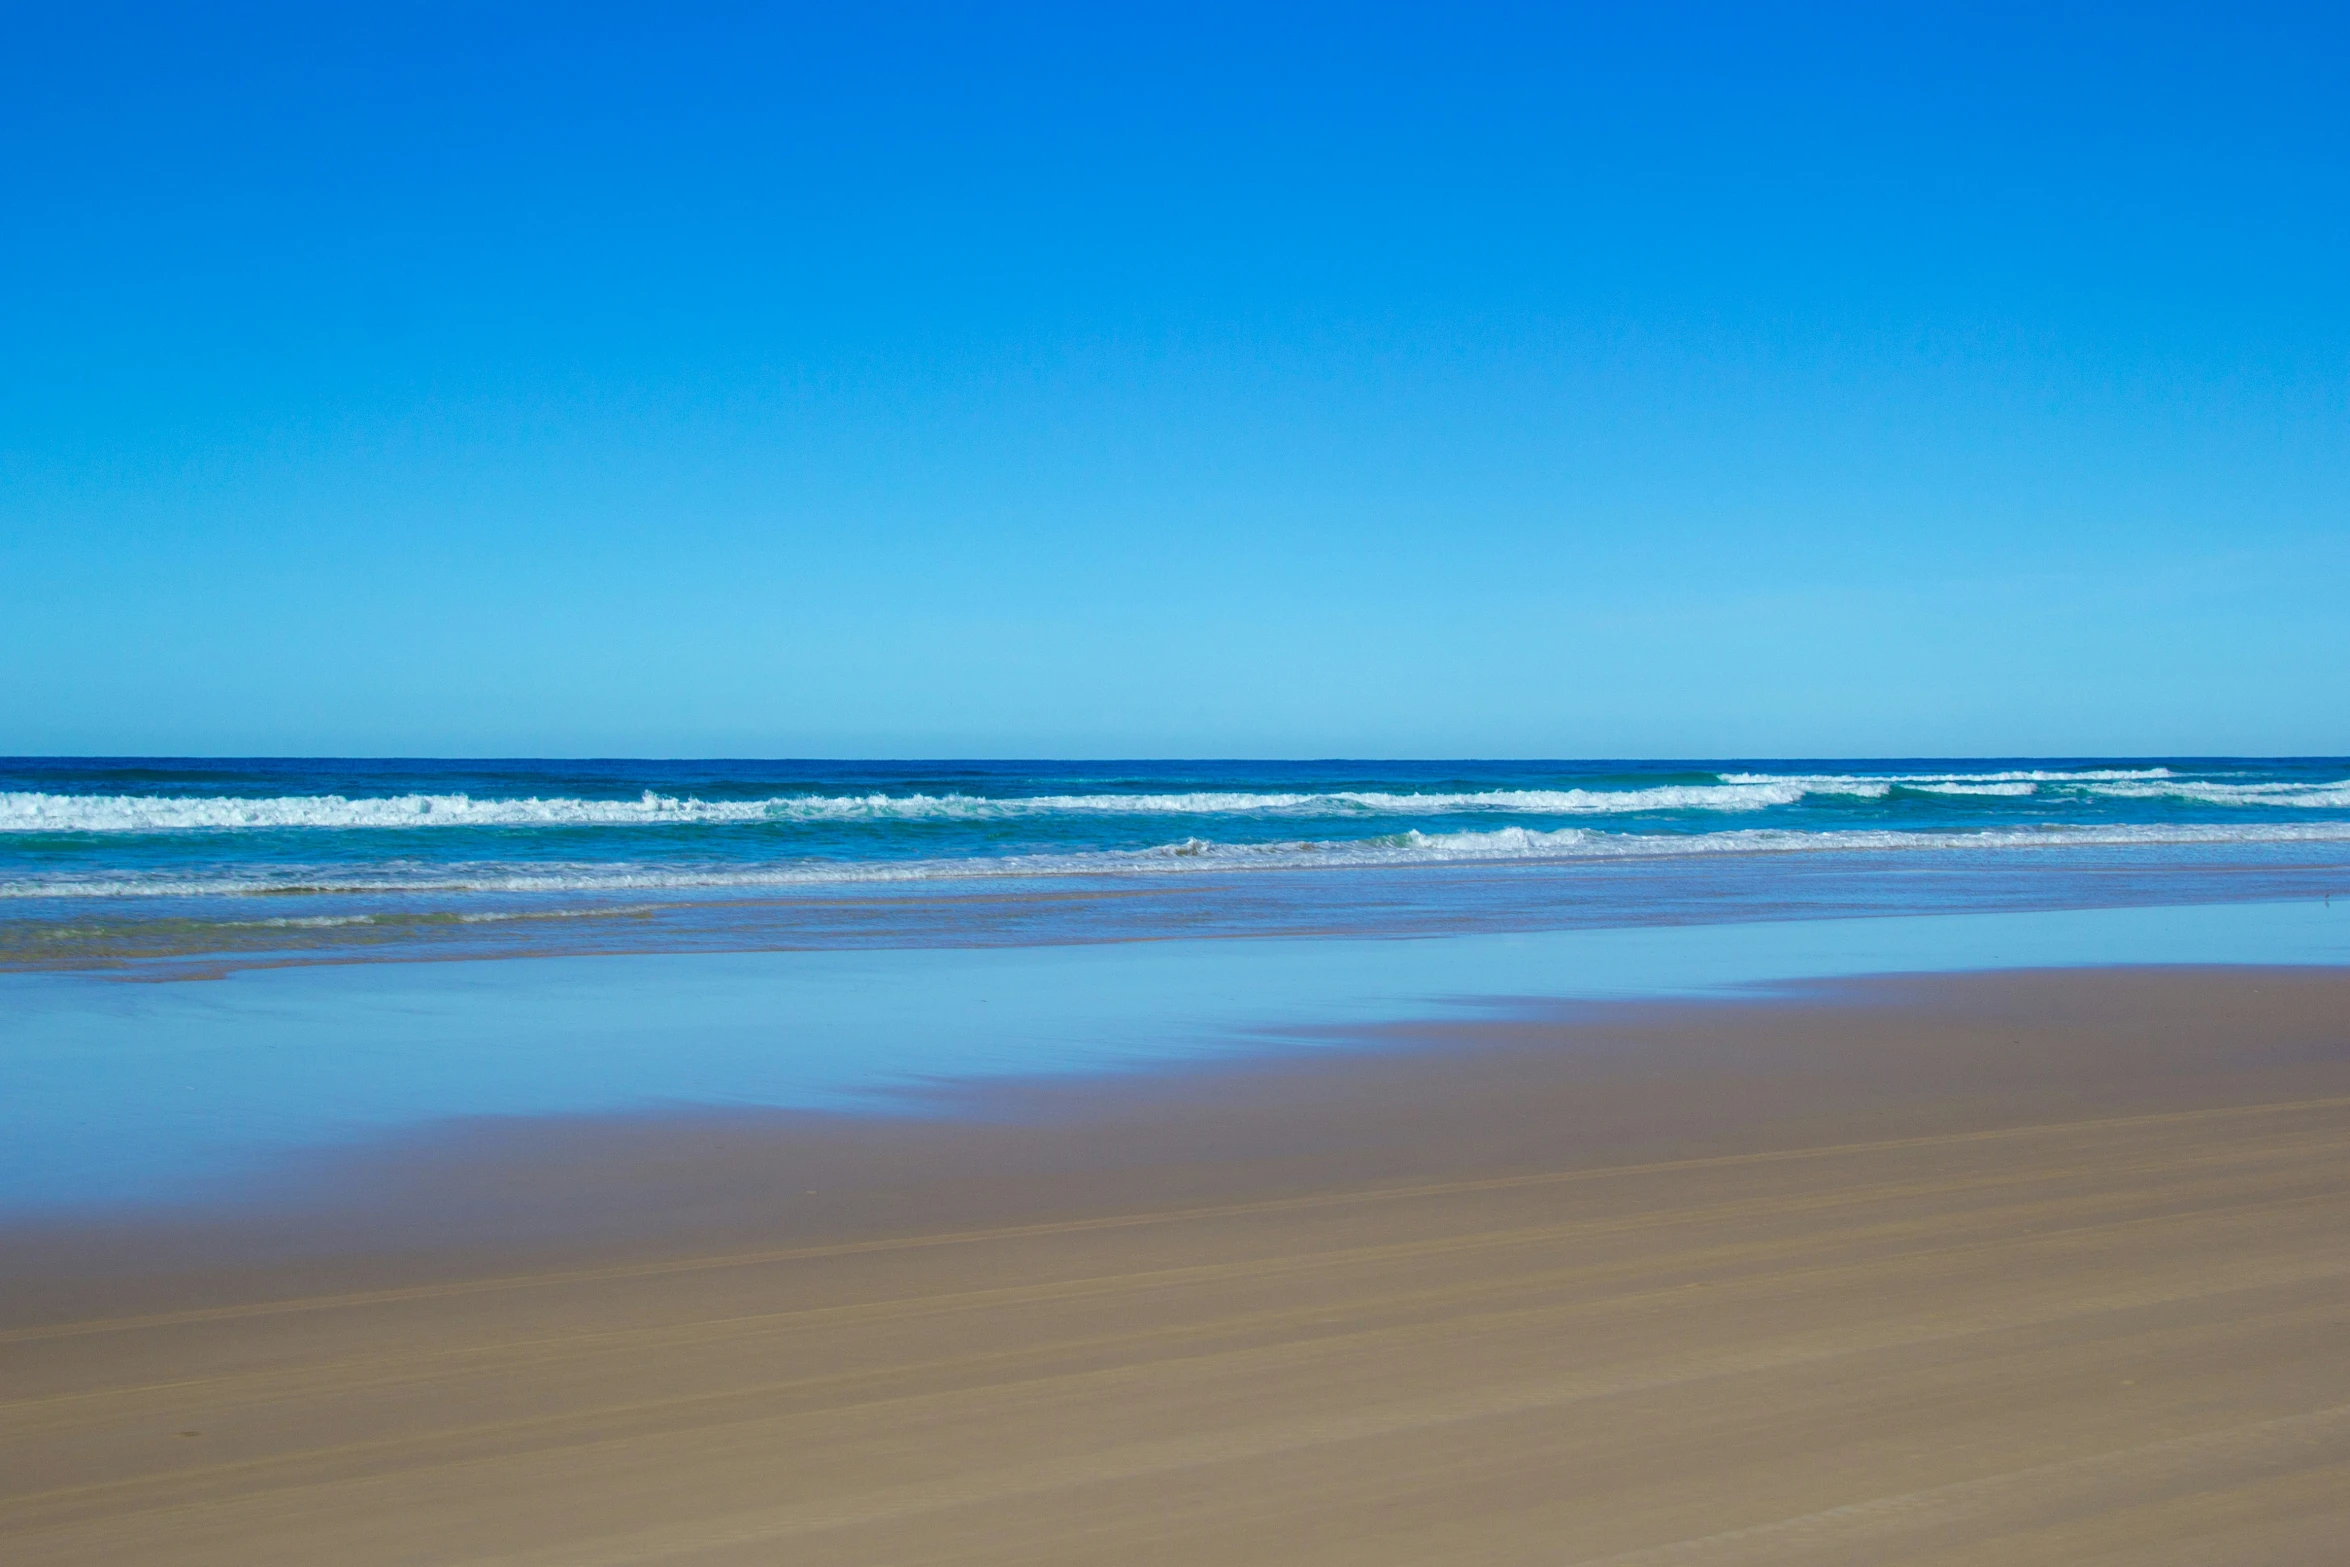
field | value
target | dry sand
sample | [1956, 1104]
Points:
[2013, 1268]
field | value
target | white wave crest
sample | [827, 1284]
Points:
[2308, 797]
[1411, 847]
[2145, 783]
[2004, 791]
[1580, 843]
[27, 812]
[66, 813]
[183, 813]
[2006, 782]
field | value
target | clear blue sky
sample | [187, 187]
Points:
[1120, 380]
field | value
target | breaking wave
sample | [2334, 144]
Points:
[1411, 847]
[1733, 793]
[149, 813]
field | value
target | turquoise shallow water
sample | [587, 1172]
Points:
[200, 1090]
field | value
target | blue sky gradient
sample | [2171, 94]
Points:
[1673, 380]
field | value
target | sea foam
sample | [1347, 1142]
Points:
[27, 812]
[1188, 855]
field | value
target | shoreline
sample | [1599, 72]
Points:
[158, 937]
[1620, 1046]
[187, 1093]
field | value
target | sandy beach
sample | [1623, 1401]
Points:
[2021, 1268]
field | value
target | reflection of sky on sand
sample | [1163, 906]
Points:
[133, 1092]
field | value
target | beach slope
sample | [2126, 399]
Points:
[2014, 1268]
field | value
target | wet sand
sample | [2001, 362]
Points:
[2017, 1267]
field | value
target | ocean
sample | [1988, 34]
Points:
[850, 936]
[154, 863]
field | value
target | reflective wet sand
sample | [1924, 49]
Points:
[2016, 1268]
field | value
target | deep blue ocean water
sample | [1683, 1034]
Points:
[129, 861]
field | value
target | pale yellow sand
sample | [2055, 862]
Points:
[2011, 1269]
